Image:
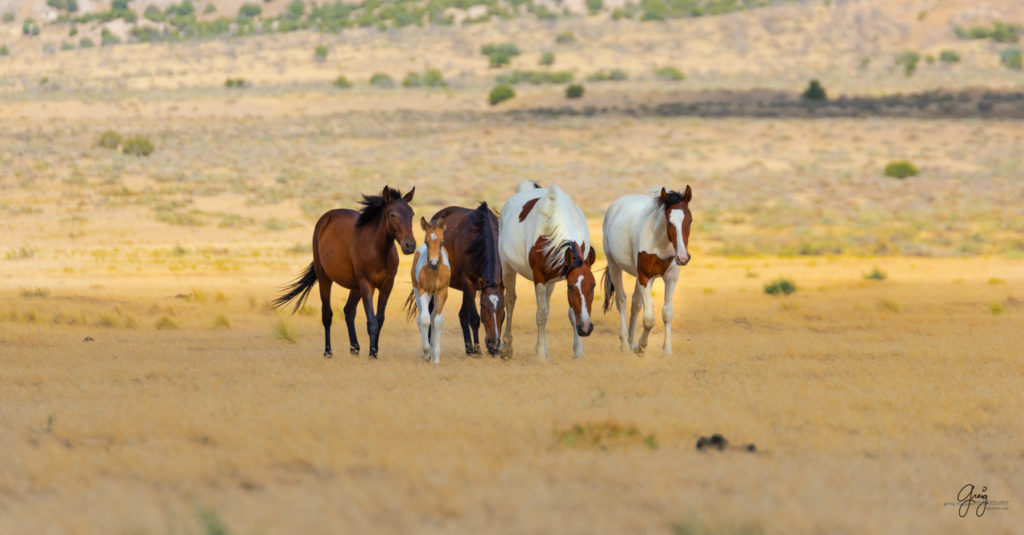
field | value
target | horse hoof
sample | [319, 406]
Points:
[354, 350]
[639, 350]
[373, 355]
[328, 354]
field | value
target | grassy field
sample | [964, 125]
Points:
[146, 387]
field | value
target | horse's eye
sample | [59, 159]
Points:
[391, 216]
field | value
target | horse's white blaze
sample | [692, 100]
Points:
[675, 218]
[494, 302]
[584, 313]
[433, 235]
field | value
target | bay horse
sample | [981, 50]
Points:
[357, 251]
[431, 271]
[646, 236]
[471, 239]
[544, 237]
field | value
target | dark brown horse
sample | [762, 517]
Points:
[471, 238]
[357, 251]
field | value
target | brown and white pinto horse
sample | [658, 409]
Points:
[646, 236]
[431, 271]
[471, 239]
[544, 237]
[357, 251]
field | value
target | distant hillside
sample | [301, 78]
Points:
[853, 47]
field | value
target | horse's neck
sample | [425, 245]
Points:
[379, 234]
[653, 231]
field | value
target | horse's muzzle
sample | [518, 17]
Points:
[408, 246]
[682, 261]
[585, 332]
[433, 265]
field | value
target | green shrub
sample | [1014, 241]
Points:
[780, 286]
[500, 54]
[342, 83]
[30, 27]
[595, 6]
[412, 79]
[138, 146]
[248, 11]
[875, 275]
[949, 56]
[86, 43]
[614, 75]
[547, 59]
[9, 17]
[110, 139]
[434, 78]
[107, 38]
[210, 8]
[4, 51]
[909, 60]
[574, 91]
[669, 74]
[154, 14]
[565, 38]
[900, 169]
[1006, 33]
[296, 9]
[1011, 58]
[535, 77]
[320, 52]
[236, 83]
[382, 81]
[814, 92]
[501, 93]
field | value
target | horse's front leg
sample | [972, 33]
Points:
[423, 321]
[382, 305]
[465, 313]
[671, 278]
[645, 294]
[508, 278]
[543, 305]
[438, 321]
[615, 272]
[577, 340]
[636, 307]
[372, 326]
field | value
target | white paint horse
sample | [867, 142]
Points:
[544, 237]
[646, 236]
[431, 272]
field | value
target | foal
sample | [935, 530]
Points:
[430, 287]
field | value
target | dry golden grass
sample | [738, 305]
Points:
[865, 419]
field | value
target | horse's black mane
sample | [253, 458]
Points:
[671, 198]
[482, 249]
[577, 260]
[373, 205]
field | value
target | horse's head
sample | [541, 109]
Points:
[677, 221]
[434, 238]
[492, 313]
[398, 218]
[580, 284]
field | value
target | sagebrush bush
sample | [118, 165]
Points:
[900, 169]
[909, 60]
[382, 81]
[110, 139]
[412, 79]
[780, 286]
[565, 38]
[535, 77]
[342, 83]
[30, 27]
[1011, 58]
[669, 74]
[814, 92]
[501, 93]
[547, 59]
[574, 91]
[320, 52]
[500, 55]
[138, 146]
[949, 56]
[614, 75]
[248, 11]
[4, 51]
[86, 43]
[434, 78]
[236, 83]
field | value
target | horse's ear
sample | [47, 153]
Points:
[408, 196]
[386, 194]
[592, 256]
[664, 195]
[423, 224]
[570, 255]
[442, 222]
[687, 194]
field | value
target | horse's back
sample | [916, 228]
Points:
[517, 229]
[333, 242]
[623, 221]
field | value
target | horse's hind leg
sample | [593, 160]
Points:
[615, 274]
[372, 327]
[508, 278]
[350, 321]
[326, 314]
[464, 314]
[437, 322]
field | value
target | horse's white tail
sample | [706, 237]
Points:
[526, 185]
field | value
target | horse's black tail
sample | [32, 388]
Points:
[299, 288]
[609, 289]
[409, 306]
